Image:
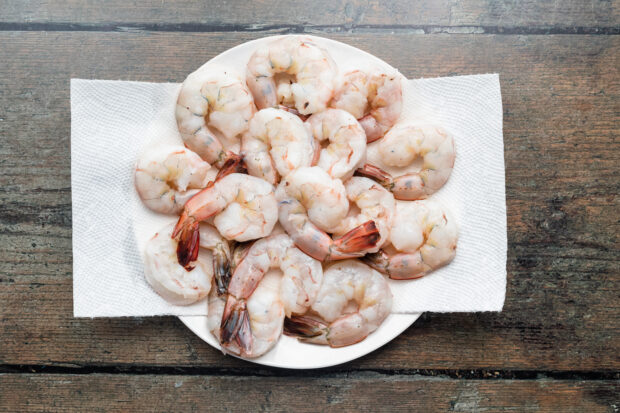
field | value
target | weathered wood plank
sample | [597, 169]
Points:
[123, 393]
[560, 96]
[250, 15]
[536, 13]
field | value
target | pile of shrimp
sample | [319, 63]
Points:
[296, 195]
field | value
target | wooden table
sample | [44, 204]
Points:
[556, 345]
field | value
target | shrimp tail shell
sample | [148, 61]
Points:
[239, 251]
[380, 261]
[398, 266]
[235, 326]
[294, 112]
[377, 174]
[233, 164]
[222, 270]
[306, 329]
[188, 236]
[360, 238]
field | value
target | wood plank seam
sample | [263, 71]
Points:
[307, 29]
[324, 373]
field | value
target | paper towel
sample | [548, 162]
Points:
[113, 121]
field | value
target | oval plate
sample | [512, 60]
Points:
[288, 352]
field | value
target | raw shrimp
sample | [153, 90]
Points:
[265, 314]
[311, 203]
[292, 71]
[167, 177]
[376, 100]
[276, 143]
[301, 280]
[343, 283]
[244, 206]
[176, 284]
[373, 203]
[400, 147]
[210, 102]
[347, 142]
[423, 238]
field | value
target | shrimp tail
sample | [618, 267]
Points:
[377, 174]
[294, 112]
[380, 261]
[235, 325]
[356, 241]
[239, 251]
[403, 266]
[306, 329]
[221, 269]
[187, 234]
[233, 164]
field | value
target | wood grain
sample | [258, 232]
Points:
[561, 114]
[318, 15]
[337, 393]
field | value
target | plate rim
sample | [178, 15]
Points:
[403, 320]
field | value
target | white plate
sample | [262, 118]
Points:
[290, 353]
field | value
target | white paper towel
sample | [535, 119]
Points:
[112, 122]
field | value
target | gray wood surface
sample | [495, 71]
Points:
[555, 347]
[211, 15]
[334, 393]
[560, 96]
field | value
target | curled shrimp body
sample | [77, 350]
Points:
[292, 71]
[210, 102]
[275, 143]
[423, 238]
[244, 207]
[376, 100]
[346, 150]
[265, 314]
[311, 203]
[374, 203]
[176, 284]
[344, 282]
[400, 147]
[301, 280]
[167, 177]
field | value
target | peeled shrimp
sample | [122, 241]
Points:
[168, 176]
[400, 147]
[265, 313]
[276, 143]
[376, 100]
[343, 283]
[311, 203]
[292, 71]
[244, 206]
[210, 102]
[301, 280]
[347, 142]
[176, 284]
[374, 203]
[423, 238]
